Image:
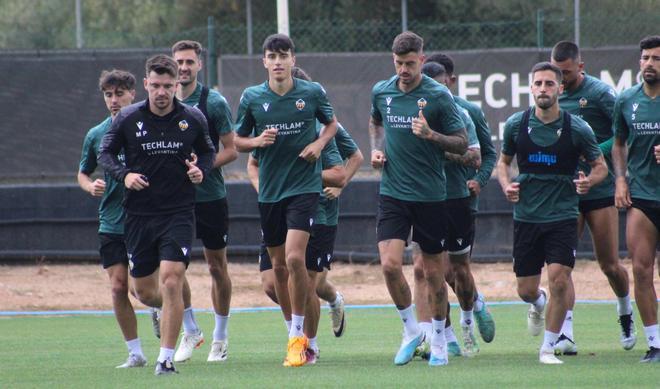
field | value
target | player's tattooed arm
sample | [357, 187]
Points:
[471, 158]
[376, 134]
[619, 162]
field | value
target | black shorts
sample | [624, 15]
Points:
[212, 223]
[321, 247]
[586, 206]
[427, 219]
[535, 244]
[112, 249]
[292, 213]
[460, 226]
[150, 239]
[651, 209]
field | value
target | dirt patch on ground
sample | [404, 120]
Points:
[86, 287]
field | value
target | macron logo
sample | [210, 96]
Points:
[139, 125]
[388, 100]
[184, 250]
[265, 105]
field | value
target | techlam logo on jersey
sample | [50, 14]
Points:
[421, 103]
[300, 104]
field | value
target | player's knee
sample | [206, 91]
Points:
[642, 272]
[610, 269]
[217, 270]
[391, 271]
[559, 285]
[527, 294]
[418, 272]
[281, 271]
[119, 289]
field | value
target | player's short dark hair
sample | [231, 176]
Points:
[443, 60]
[187, 45]
[433, 69]
[565, 50]
[299, 73]
[116, 78]
[407, 42]
[650, 42]
[278, 43]
[161, 64]
[541, 66]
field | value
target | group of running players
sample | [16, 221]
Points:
[581, 152]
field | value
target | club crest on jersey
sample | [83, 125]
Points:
[300, 104]
[265, 105]
[388, 100]
[421, 103]
[183, 125]
[583, 102]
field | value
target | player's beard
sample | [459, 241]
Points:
[546, 101]
[650, 78]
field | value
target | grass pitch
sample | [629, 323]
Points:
[82, 352]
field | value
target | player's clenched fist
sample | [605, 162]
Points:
[512, 192]
[377, 159]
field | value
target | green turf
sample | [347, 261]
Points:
[81, 352]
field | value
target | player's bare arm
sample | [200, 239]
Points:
[620, 163]
[471, 158]
[511, 189]
[228, 153]
[94, 187]
[455, 143]
[377, 140]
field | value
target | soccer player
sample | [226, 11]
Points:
[118, 88]
[637, 150]
[211, 213]
[547, 143]
[593, 101]
[413, 122]
[282, 114]
[158, 136]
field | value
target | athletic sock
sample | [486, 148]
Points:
[652, 334]
[288, 325]
[539, 304]
[549, 341]
[623, 305]
[410, 327]
[189, 324]
[427, 327]
[165, 354]
[567, 326]
[312, 344]
[296, 326]
[450, 335]
[478, 302]
[338, 298]
[220, 330]
[134, 347]
[467, 318]
[438, 340]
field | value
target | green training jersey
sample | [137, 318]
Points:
[546, 198]
[282, 173]
[414, 170]
[593, 101]
[111, 210]
[637, 120]
[488, 152]
[458, 174]
[213, 186]
[328, 212]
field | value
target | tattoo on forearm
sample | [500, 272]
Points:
[454, 143]
[376, 135]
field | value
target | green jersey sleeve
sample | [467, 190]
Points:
[621, 130]
[586, 140]
[345, 144]
[324, 112]
[244, 120]
[330, 156]
[375, 113]
[88, 159]
[219, 113]
[511, 128]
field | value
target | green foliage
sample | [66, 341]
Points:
[81, 352]
[322, 25]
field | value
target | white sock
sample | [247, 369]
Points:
[312, 344]
[539, 304]
[288, 325]
[338, 299]
[296, 326]
[478, 302]
[450, 335]
[466, 318]
[221, 323]
[410, 326]
[549, 341]
[438, 338]
[189, 323]
[165, 354]
[134, 347]
[623, 305]
[427, 327]
[567, 326]
[652, 334]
